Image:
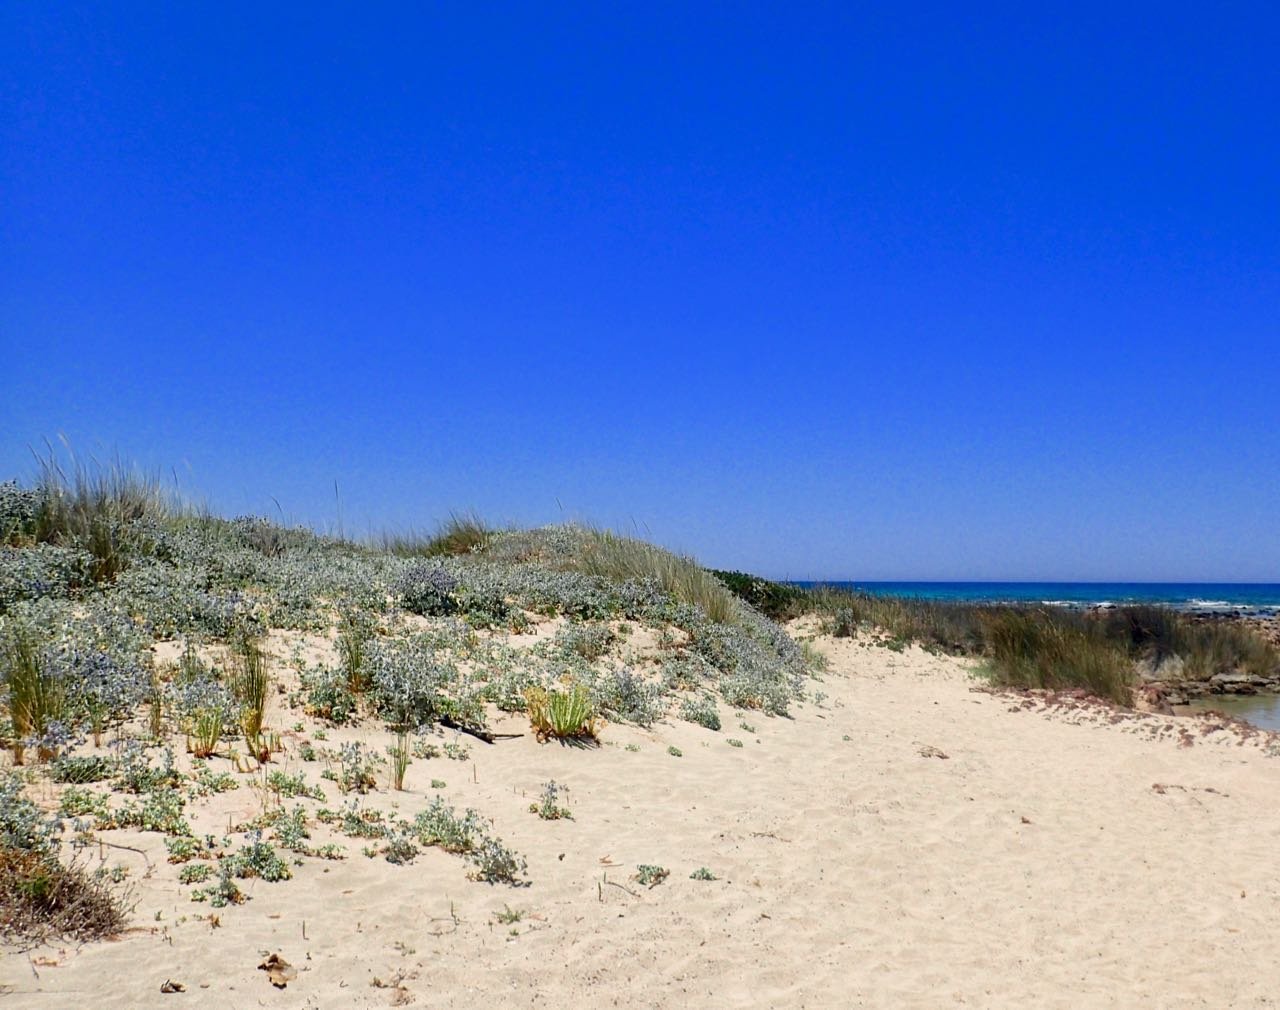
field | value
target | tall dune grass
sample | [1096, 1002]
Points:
[620, 559]
[98, 507]
[1035, 649]
[461, 533]
[35, 696]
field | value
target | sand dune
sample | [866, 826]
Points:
[1055, 857]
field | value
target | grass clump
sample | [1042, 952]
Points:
[251, 686]
[399, 756]
[566, 713]
[81, 770]
[1035, 650]
[109, 511]
[355, 628]
[36, 695]
[623, 559]
[205, 732]
[462, 533]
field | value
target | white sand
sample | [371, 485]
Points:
[1036, 866]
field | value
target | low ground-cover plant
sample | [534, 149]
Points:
[701, 710]
[327, 695]
[623, 694]
[428, 589]
[649, 875]
[548, 804]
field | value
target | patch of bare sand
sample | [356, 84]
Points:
[1056, 857]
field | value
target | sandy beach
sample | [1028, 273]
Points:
[912, 840]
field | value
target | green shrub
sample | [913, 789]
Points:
[778, 601]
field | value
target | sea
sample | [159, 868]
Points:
[1247, 599]
[1255, 599]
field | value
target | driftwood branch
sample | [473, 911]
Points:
[488, 736]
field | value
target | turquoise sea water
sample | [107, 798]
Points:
[1224, 597]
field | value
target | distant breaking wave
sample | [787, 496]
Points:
[1246, 598]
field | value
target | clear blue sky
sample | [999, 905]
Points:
[804, 289]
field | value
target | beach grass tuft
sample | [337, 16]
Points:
[565, 713]
[625, 559]
[1035, 649]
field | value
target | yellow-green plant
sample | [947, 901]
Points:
[250, 685]
[399, 753]
[206, 731]
[36, 696]
[354, 631]
[565, 713]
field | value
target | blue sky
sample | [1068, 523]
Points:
[810, 290]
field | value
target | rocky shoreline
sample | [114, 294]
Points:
[1166, 682]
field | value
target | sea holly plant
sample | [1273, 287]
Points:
[548, 805]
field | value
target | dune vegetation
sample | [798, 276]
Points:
[1034, 647]
[154, 655]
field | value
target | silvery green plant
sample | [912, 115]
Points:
[24, 827]
[623, 694]
[410, 681]
[102, 688]
[40, 572]
[428, 589]
[548, 805]
[701, 710]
